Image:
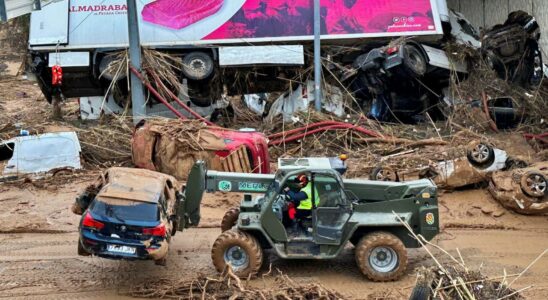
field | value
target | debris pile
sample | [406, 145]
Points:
[456, 282]
[229, 286]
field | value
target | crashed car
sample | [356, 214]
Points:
[38, 154]
[172, 147]
[128, 214]
[481, 160]
[512, 49]
[522, 190]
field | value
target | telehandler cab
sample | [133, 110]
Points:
[345, 210]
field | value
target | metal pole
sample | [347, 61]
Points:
[3, 12]
[317, 57]
[137, 93]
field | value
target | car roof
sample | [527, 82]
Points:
[134, 184]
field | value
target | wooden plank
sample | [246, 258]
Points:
[540, 12]
[496, 12]
[454, 5]
[246, 160]
[525, 5]
[236, 162]
[473, 11]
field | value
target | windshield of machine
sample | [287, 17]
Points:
[126, 210]
[270, 192]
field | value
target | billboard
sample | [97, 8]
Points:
[190, 22]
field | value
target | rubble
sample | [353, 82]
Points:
[229, 286]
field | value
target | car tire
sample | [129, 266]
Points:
[533, 184]
[81, 250]
[161, 262]
[414, 60]
[197, 65]
[230, 218]
[241, 250]
[384, 174]
[372, 251]
[481, 155]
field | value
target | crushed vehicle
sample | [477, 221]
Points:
[38, 154]
[522, 190]
[512, 49]
[361, 212]
[128, 214]
[172, 147]
[481, 160]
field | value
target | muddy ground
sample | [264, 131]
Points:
[38, 235]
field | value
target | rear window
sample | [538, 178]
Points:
[126, 210]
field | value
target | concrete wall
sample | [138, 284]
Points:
[486, 13]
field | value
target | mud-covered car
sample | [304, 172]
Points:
[128, 214]
[522, 190]
[480, 161]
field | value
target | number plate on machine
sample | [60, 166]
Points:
[121, 249]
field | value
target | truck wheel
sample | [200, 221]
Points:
[81, 250]
[533, 184]
[381, 256]
[230, 218]
[481, 155]
[197, 66]
[414, 61]
[384, 174]
[240, 250]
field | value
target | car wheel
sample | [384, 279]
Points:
[161, 262]
[533, 184]
[239, 250]
[384, 174]
[381, 256]
[420, 292]
[414, 60]
[481, 155]
[81, 250]
[230, 218]
[197, 66]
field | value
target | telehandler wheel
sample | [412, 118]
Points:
[241, 250]
[230, 218]
[381, 256]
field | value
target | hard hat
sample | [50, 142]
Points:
[303, 179]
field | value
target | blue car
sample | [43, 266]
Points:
[128, 214]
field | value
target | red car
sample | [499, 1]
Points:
[172, 147]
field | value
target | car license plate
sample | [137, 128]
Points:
[121, 249]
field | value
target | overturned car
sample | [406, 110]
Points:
[522, 190]
[128, 214]
[480, 161]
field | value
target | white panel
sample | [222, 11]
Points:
[261, 55]
[16, 8]
[49, 26]
[69, 59]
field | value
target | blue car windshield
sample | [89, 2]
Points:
[126, 210]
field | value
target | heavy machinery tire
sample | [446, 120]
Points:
[197, 65]
[384, 174]
[230, 218]
[381, 256]
[533, 184]
[81, 250]
[414, 60]
[480, 155]
[241, 250]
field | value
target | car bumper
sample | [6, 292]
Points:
[96, 244]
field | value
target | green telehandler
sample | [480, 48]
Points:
[361, 212]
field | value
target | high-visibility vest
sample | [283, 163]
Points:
[307, 203]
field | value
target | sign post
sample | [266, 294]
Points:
[137, 93]
[317, 57]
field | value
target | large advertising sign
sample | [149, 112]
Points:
[181, 22]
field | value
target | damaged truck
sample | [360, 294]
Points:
[81, 39]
